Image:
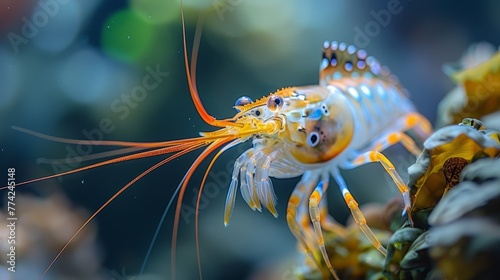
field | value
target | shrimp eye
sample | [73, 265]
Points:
[274, 103]
[244, 100]
[313, 139]
[258, 112]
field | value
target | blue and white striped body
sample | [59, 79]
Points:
[377, 106]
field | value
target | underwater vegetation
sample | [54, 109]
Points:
[455, 192]
[455, 187]
[477, 95]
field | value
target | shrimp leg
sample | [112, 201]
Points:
[375, 156]
[295, 213]
[314, 212]
[411, 121]
[358, 216]
[231, 194]
[329, 223]
[394, 138]
[264, 185]
[418, 123]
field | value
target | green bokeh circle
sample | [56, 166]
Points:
[127, 35]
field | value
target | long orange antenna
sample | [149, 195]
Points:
[182, 191]
[196, 48]
[105, 142]
[192, 86]
[178, 154]
[156, 152]
[197, 212]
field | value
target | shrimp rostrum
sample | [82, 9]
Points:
[357, 110]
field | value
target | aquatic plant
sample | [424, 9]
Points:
[440, 185]
[477, 94]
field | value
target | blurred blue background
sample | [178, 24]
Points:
[77, 68]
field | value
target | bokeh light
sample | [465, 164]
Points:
[127, 35]
[85, 76]
[157, 11]
[61, 28]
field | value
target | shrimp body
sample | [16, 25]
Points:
[357, 110]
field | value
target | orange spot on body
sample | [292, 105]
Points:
[393, 138]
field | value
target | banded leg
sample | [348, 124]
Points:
[411, 121]
[375, 156]
[358, 216]
[418, 123]
[295, 216]
[327, 222]
[314, 212]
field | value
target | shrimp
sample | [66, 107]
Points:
[357, 110]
